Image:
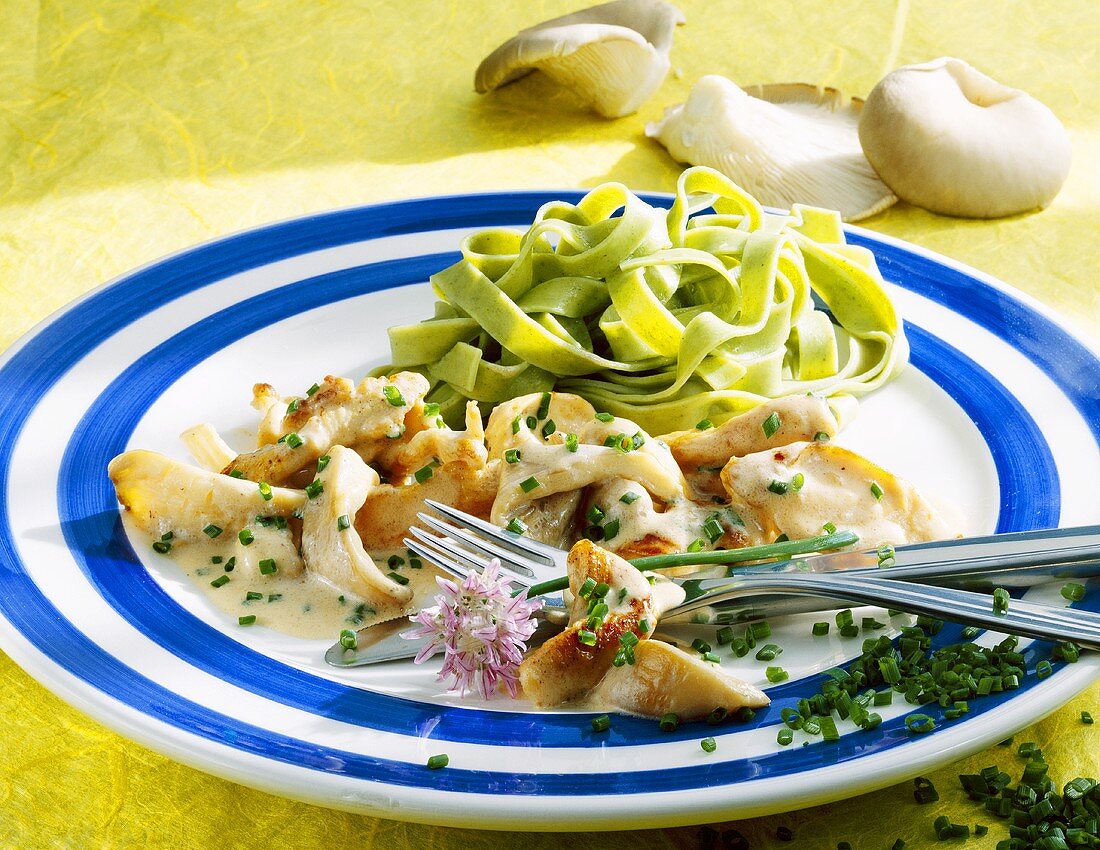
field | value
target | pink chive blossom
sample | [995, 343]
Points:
[482, 630]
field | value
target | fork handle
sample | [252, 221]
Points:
[1029, 619]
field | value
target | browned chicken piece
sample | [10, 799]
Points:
[796, 489]
[563, 668]
[389, 511]
[459, 476]
[664, 679]
[702, 454]
[338, 413]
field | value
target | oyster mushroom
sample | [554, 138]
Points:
[785, 144]
[165, 495]
[331, 546]
[614, 55]
[946, 137]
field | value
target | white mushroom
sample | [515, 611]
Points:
[614, 55]
[331, 546]
[785, 144]
[946, 137]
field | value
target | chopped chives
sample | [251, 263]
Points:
[669, 722]
[595, 515]
[1073, 591]
[246, 620]
[770, 425]
[919, 723]
[778, 487]
[605, 417]
[971, 632]
[713, 529]
[876, 490]
[220, 581]
[643, 626]
[829, 528]
[844, 618]
[439, 761]
[587, 588]
[513, 456]
[314, 489]
[784, 737]
[761, 629]
[516, 424]
[828, 728]
[697, 545]
[343, 522]
[431, 409]
[1086, 718]
[611, 529]
[216, 559]
[712, 658]
[322, 462]
[395, 562]
[294, 441]
[586, 637]
[246, 536]
[700, 645]
[544, 406]
[571, 442]
[601, 723]
[162, 548]
[798, 481]
[768, 652]
[529, 484]
[252, 596]
[704, 425]
[212, 531]
[265, 491]
[1043, 669]
[516, 526]
[268, 567]
[393, 395]
[745, 714]
[724, 636]
[1000, 601]
[629, 497]
[293, 406]
[776, 675]
[820, 629]
[821, 437]
[415, 563]
[424, 473]
[740, 648]
[397, 577]
[230, 564]
[348, 639]
[708, 745]
[312, 391]
[548, 428]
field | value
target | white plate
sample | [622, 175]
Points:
[998, 413]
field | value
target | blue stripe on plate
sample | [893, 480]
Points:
[89, 514]
[57, 347]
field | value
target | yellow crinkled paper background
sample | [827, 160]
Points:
[129, 130]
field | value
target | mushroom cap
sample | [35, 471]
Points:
[614, 55]
[946, 137]
[786, 143]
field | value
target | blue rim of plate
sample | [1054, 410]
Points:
[1025, 469]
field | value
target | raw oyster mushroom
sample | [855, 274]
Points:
[614, 55]
[946, 137]
[785, 144]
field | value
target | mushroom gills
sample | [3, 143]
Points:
[784, 144]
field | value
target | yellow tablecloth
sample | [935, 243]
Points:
[132, 129]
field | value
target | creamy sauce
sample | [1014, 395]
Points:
[305, 605]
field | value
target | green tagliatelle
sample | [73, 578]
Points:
[666, 317]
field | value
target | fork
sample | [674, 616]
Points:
[465, 543]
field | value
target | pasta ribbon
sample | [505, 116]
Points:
[665, 317]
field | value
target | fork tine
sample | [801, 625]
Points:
[507, 559]
[448, 548]
[532, 549]
[434, 557]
